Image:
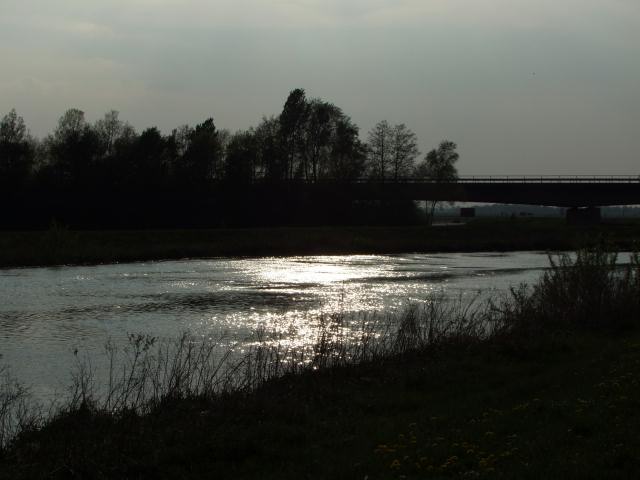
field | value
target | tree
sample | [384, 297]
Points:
[110, 129]
[292, 120]
[117, 138]
[404, 150]
[439, 166]
[148, 161]
[241, 157]
[270, 164]
[73, 151]
[71, 123]
[318, 132]
[380, 149]
[201, 162]
[17, 152]
[12, 128]
[348, 153]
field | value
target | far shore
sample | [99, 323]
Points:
[62, 246]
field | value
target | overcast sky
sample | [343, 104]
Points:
[523, 86]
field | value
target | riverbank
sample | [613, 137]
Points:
[59, 245]
[543, 385]
[464, 413]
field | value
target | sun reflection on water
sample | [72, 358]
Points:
[313, 270]
[45, 313]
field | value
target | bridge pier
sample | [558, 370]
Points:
[584, 216]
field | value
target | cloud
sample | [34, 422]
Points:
[107, 16]
[454, 68]
[85, 28]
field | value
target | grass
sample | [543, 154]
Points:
[526, 387]
[59, 245]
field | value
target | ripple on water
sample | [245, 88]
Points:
[45, 313]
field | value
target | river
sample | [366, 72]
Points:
[47, 314]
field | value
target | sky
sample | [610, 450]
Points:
[522, 86]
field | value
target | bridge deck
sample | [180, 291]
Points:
[551, 190]
[610, 179]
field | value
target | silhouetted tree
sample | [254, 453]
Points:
[241, 157]
[271, 164]
[348, 153]
[380, 142]
[439, 165]
[181, 139]
[117, 139]
[149, 161]
[201, 162]
[17, 152]
[404, 150]
[317, 137]
[292, 121]
[109, 129]
[73, 150]
[311, 139]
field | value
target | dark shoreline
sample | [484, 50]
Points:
[60, 246]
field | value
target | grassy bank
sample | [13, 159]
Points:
[61, 246]
[543, 384]
[473, 412]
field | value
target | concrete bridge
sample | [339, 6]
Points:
[581, 194]
[558, 191]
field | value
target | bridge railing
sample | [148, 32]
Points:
[474, 179]
[467, 179]
[548, 179]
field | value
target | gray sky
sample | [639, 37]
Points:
[523, 86]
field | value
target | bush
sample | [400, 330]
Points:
[588, 290]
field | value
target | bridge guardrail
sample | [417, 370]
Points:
[549, 179]
[467, 179]
[622, 179]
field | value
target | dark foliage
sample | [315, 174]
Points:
[101, 168]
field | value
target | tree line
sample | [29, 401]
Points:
[310, 140]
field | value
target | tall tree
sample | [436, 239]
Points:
[149, 159]
[318, 133]
[404, 150]
[292, 120]
[270, 164]
[201, 162]
[181, 138]
[348, 153]
[241, 157]
[439, 166]
[74, 149]
[109, 129]
[17, 152]
[380, 143]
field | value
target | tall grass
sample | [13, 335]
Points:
[18, 411]
[587, 290]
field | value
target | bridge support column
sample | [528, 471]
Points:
[584, 216]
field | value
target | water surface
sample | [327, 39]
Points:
[48, 313]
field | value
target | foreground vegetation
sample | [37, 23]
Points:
[542, 384]
[59, 245]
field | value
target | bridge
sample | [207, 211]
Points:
[582, 194]
[271, 202]
[557, 191]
